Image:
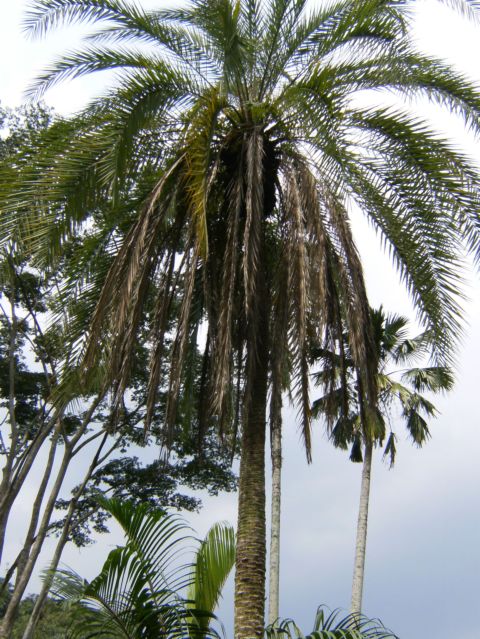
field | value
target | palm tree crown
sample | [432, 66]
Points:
[400, 382]
[211, 187]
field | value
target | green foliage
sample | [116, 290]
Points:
[21, 129]
[214, 561]
[56, 622]
[329, 625]
[21, 287]
[140, 592]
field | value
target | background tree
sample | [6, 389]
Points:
[21, 129]
[28, 391]
[56, 620]
[158, 483]
[352, 424]
[31, 425]
[21, 389]
[233, 146]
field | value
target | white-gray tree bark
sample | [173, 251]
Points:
[274, 576]
[362, 525]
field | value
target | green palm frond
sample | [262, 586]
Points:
[45, 15]
[351, 421]
[142, 588]
[434, 379]
[390, 450]
[213, 563]
[329, 625]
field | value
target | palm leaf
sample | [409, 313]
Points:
[139, 591]
[329, 625]
[213, 563]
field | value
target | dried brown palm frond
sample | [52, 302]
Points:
[254, 206]
[160, 322]
[280, 356]
[325, 286]
[359, 327]
[223, 358]
[118, 310]
[298, 286]
[182, 333]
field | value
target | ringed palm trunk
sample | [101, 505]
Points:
[251, 533]
[251, 537]
[274, 577]
[361, 544]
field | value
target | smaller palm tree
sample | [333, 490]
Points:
[353, 424]
[145, 589]
[329, 625]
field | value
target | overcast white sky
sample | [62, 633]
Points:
[423, 556]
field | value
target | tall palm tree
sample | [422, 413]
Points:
[229, 150]
[400, 386]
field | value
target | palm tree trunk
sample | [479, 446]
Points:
[251, 533]
[360, 549]
[273, 602]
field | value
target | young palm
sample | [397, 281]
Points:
[329, 625]
[145, 589]
[229, 151]
[399, 393]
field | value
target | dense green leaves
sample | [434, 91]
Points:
[57, 621]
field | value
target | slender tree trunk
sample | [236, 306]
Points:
[45, 589]
[3, 530]
[15, 480]
[36, 507]
[361, 545]
[7, 470]
[47, 581]
[273, 602]
[28, 563]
